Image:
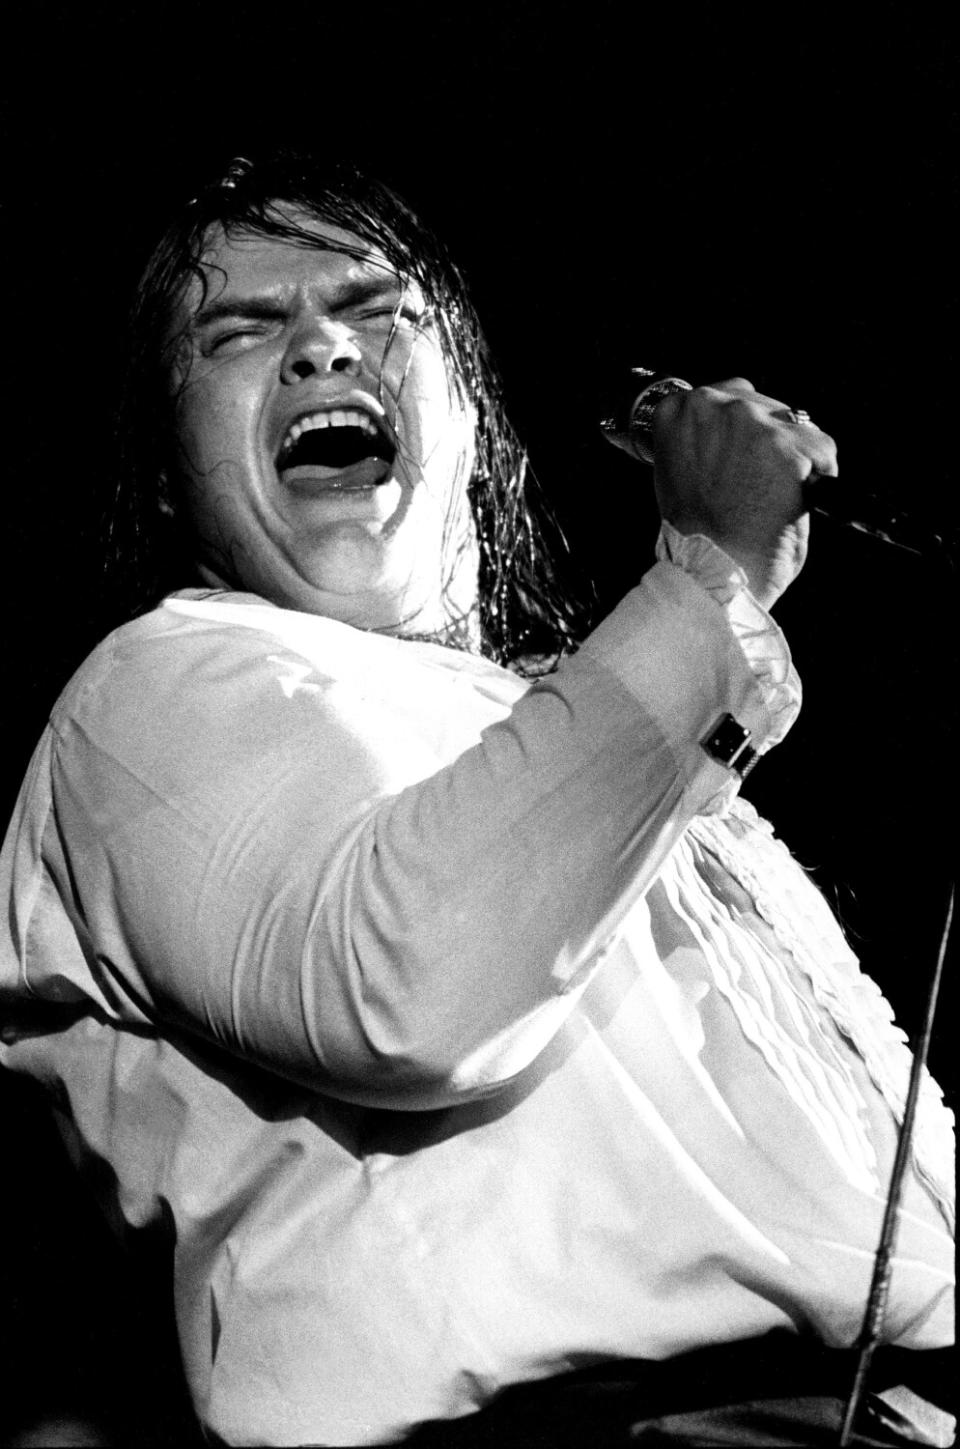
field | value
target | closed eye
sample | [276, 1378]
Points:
[390, 312]
[392, 307]
[235, 335]
[228, 321]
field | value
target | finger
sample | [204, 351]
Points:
[666, 411]
[795, 417]
[701, 404]
[811, 439]
[819, 454]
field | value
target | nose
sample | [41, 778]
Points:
[320, 346]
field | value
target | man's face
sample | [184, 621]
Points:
[312, 476]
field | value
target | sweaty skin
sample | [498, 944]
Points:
[287, 330]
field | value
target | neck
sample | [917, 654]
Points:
[455, 631]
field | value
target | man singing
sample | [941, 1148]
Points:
[410, 960]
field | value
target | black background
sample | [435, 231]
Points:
[718, 190]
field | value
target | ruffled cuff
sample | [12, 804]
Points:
[761, 641]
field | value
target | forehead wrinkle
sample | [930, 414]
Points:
[361, 279]
[273, 301]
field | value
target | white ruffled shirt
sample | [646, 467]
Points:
[468, 1029]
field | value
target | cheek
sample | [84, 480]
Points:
[432, 418]
[218, 478]
[214, 425]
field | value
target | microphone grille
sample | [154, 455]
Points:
[627, 419]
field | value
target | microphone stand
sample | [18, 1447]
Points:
[943, 546]
[882, 1264]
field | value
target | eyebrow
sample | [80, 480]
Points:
[267, 308]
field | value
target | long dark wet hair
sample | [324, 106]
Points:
[526, 608]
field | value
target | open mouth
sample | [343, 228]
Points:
[340, 448]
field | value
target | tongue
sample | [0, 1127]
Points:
[367, 473]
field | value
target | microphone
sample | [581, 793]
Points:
[627, 422]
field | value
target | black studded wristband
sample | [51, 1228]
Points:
[729, 744]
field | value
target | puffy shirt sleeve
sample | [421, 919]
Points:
[762, 642]
[255, 829]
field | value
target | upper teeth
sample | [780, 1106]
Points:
[338, 418]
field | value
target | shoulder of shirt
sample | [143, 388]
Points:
[128, 641]
[137, 653]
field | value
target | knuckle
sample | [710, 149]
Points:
[744, 408]
[703, 399]
[823, 451]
